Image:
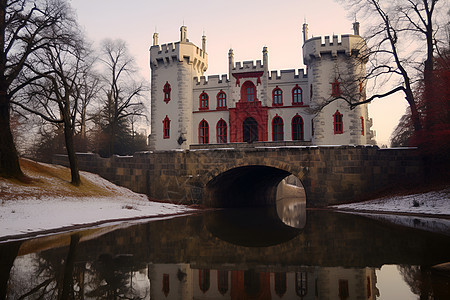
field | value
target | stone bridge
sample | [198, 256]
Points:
[248, 176]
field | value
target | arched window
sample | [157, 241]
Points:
[338, 123]
[166, 128]
[204, 101]
[249, 130]
[362, 125]
[166, 91]
[222, 281]
[248, 92]
[301, 283]
[297, 95]
[280, 284]
[297, 128]
[203, 132]
[277, 129]
[277, 95]
[221, 132]
[203, 280]
[166, 284]
[336, 88]
[221, 100]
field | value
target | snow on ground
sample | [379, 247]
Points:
[41, 212]
[427, 211]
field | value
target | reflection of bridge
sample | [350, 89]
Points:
[249, 176]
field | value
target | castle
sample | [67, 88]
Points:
[252, 104]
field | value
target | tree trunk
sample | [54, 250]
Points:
[68, 268]
[73, 161]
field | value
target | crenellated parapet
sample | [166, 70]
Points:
[287, 75]
[212, 81]
[335, 45]
[248, 65]
[178, 52]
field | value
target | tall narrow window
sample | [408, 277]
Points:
[336, 88]
[249, 130]
[248, 92]
[221, 132]
[277, 129]
[343, 289]
[338, 123]
[204, 101]
[362, 125]
[222, 281]
[203, 280]
[297, 128]
[203, 132]
[166, 128]
[221, 100]
[297, 95]
[166, 284]
[301, 283]
[166, 91]
[277, 95]
[280, 284]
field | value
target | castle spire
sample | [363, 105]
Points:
[356, 27]
[183, 34]
[305, 31]
[204, 42]
[155, 39]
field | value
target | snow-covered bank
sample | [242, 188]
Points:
[30, 209]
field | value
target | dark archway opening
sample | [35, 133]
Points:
[249, 130]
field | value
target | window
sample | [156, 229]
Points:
[166, 127]
[222, 281]
[249, 130]
[166, 91]
[221, 132]
[221, 100]
[280, 284]
[203, 132]
[338, 123]
[248, 92]
[301, 283]
[297, 95]
[277, 95]
[336, 88]
[343, 289]
[166, 284]
[297, 128]
[277, 129]
[362, 125]
[204, 101]
[203, 280]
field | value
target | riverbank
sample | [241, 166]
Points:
[49, 203]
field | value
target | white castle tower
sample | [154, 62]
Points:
[173, 67]
[253, 104]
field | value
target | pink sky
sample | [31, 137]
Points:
[245, 26]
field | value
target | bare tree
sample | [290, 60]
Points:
[402, 42]
[122, 90]
[63, 65]
[25, 27]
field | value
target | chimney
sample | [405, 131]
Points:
[305, 32]
[183, 34]
[356, 28]
[155, 39]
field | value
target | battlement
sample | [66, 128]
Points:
[248, 65]
[179, 51]
[211, 81]
[334, 45]
[287, 75]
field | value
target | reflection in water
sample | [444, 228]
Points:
[334, 256]
[291, 202]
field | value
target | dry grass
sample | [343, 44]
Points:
[48, 180]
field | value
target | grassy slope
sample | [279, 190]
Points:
[48, 180]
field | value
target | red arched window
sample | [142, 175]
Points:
[248, 92]
[362, 125]
[280, 284]
[221, 100]
[277, 96]
[166, 284]
[166, 91]
[221, 132]
[297, 128]
[203, 132]
[338, 123]
[204, 101]
[297, 95]
[336, 88]
[277, 129]
[166, 127]
[203, 280]
[222, 281]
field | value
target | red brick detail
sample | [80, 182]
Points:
[243, 111]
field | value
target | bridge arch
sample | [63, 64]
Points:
[250, 185]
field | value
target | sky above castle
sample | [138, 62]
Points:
[246, 26]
